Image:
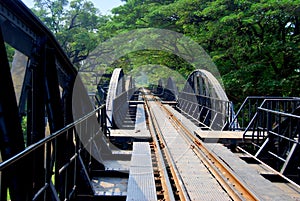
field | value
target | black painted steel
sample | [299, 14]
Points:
[274, 133]
[248, 109]
[78, 155]
[51, 167]
[11, 136]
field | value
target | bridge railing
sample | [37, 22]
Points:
[274, 134]
[248, 109]
[267, 117]
[211, 113]
[62, 179]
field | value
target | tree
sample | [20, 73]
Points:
[75, 25]
[255, 44]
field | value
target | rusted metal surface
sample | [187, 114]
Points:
[233, 186]
[195, 153]
[190, 172]
[166, 191]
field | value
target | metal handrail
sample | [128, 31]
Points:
[47, 139]
[262, 108]
[257, 99]
[275, 121]
[222, 107]
[74, 159]
[278, 112]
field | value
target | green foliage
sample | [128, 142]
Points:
[255, 44]
[24, 128]
[154, 65]
[75, 25]
[10, 52]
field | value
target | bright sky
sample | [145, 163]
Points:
[103, 5]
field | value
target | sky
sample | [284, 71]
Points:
[103, 5]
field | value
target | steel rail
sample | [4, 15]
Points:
[234, 187]
[182, 192]
[166, 185]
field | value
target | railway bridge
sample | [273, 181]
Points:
[60, 142]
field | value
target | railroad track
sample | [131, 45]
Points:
[176, 184]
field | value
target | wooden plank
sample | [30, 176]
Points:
[138, 134]
[220, 134]
[225, 137]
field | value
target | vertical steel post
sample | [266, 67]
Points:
[37, 67]
[11, 136]
[54, 108]
[65, 145]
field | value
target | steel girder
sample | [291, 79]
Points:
[46, 97]
[11, 136]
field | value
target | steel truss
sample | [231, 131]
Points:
[273, 124]
[203, 99]
[35, 166]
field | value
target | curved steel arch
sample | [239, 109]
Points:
[205, 100]
[116, 87]
[171, 86]
[201, 82]
[129, 83]
[169, 91]
[130, 87]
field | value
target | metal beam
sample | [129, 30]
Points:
[11, 135]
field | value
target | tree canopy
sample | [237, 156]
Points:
[254, 44]
[75, 24]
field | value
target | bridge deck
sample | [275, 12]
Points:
[140, 131]
[116, 183]
[189, 125]
[198, 182]
[140, 120]
[141, 185]
[262, 187]
[248, 173]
